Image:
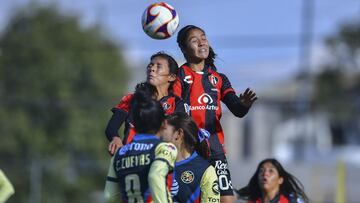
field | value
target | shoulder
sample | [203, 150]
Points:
[127, 97]
[184, 69]
[125, 102]
[210, 173]
[165, 149]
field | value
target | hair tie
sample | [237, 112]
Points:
[203, 134]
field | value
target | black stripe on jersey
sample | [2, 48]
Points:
[210, 115]
[185, 93]
[112, 179]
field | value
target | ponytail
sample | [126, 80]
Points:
[194, 139]
[202, 147]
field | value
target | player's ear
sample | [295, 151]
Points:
[281, 180]
[172, 77]
[180, 134]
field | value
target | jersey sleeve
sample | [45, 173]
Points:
[177, 88]
[209, 186]
[114, 124]
[112, 192]
[167, 153]
[226, 85]
[124, 103]
[6, 188]
[165, 156]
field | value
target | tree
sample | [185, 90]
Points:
[58, 81]
[337, 87]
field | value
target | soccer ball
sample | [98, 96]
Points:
[160, 20]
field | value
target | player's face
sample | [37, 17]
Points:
[197, 45]
[169, 134]
[269, 179]
[158, 72]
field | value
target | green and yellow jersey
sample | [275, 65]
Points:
[138, 171]
[6, 188]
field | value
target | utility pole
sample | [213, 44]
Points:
[304, 81]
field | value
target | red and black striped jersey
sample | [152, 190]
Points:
[203, 92]
[280, 199]
[170, 103]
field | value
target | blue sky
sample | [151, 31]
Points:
[257, 41]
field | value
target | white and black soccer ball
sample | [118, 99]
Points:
[160, 20]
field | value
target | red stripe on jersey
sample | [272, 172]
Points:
[198, 99]
[124, 103]
[177, 88]
[169, 180]
[149, 199]
[198, 200]
[283, 199]
[227, 91]
[131, 134]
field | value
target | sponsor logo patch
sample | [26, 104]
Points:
[188, 79]
[213, 80]
[187, 177]
[215, 188]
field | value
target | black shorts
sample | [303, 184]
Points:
[222, 171]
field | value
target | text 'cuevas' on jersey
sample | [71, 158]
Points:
[132, 164]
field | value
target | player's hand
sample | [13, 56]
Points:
[114, 145]
[248, 97]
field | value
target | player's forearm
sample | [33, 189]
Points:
[234, 105]
[116, 120]
[157, 182]
[112, 191]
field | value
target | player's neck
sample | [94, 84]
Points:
[162, 91]
[183, 154]
[270, 195]
[197, 66]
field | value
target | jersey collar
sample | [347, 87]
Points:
[145, 137]
[193, 156]
[206, 70]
